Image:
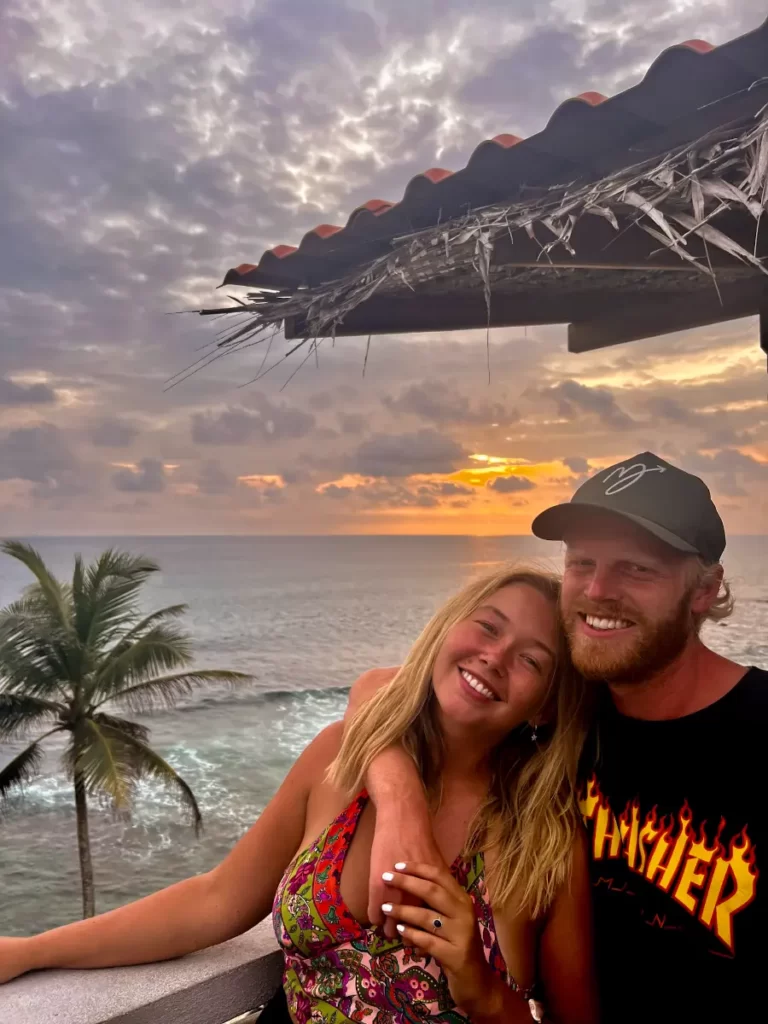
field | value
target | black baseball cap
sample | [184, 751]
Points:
[673, 505]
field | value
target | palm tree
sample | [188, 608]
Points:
[72, 657]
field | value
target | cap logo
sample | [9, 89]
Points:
[629, 475]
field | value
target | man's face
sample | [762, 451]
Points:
[627, 600]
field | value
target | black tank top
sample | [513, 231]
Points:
[678, 826]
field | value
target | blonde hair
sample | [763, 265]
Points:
[703, 574]
[529, 818]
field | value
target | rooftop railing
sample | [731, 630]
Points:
[220, 985]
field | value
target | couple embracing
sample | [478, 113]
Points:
[553, 810]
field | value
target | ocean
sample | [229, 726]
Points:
[304, 616]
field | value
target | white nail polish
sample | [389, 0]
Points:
[400, 866]
[387, 908]
[401, 928]
[387, 876]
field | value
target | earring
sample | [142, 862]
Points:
[534, 732]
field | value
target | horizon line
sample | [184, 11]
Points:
[294, 536]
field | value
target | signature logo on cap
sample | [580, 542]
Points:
[629, 475]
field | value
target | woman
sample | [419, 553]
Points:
[493, 716]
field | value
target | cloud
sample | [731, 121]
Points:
[572, 397]
[666, 408]
[577, 464]
[337, 492]
[729, 470]
[530, 63]
[353, 423]
[388, 493]
[511, 484]
[42, 455]
[449, 489]
[148, 478]
[38, 454]
[270, 422]
[212, 479]
[111, 432]
[12, 393]
[403, 455]
[128, 186]
[234, 426]
[321, 401]
[727, 460]
[438, 403]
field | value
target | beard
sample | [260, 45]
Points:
[652, 647]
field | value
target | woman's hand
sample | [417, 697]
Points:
[445, 928]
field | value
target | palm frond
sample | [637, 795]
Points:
[134, 729]
[173, 611]
[144, 626]
[34, 655]
[719, 239]
[104, 764]
[24, 767]
[78, 585]
[20, 713]
[51, 589]
[113, 564]
[165, 691]
[149, 764]
[162, 649]
[28, 615]
[110, 597]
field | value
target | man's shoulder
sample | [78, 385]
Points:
[750, 695]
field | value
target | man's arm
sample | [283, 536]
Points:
[403, 826]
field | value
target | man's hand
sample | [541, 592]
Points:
[403, 833]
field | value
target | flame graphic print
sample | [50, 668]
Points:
[711, 882]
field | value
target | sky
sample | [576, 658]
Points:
[149, 145]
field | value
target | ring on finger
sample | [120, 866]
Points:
[437, 923]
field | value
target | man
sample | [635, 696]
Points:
[673, 789]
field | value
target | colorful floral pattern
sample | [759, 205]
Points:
[336, 970]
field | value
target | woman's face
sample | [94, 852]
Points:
[494, 667]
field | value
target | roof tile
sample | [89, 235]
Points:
[579, 138]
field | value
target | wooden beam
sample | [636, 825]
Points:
[667, 314]
[597, 317]
[414, 313]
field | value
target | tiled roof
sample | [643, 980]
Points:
[586, 137]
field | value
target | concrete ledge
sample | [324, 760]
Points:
[209, 987]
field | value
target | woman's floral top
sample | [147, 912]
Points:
[338, 971]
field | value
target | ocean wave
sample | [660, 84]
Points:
[255, 698]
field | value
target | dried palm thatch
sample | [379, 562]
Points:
[673, 198]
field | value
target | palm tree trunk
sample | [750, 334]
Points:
[84, 847]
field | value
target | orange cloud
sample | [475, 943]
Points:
[493, 466]
[350, 481]
[261, 480]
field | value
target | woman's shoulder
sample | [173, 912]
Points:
[309, 769]
[324, 799]
[322, 751]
